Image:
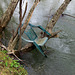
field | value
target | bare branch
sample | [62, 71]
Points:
[56, 16]
[55, 34]
[68, 15]
[25, 10]
[51, 24]
[20, 19]
[15, 38]
[8, 14]
[29, 16]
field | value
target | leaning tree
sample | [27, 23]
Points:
[4, 20]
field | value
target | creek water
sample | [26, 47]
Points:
[61, 50]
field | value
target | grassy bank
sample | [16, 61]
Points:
[9, 66]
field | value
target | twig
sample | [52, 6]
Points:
[1, 45]
[16, 32]
[68, 15]
[29, 16]
[25, 10]
[20, 40]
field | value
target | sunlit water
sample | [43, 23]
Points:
[61, 56]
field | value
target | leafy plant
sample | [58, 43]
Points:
[14, 64]
[10, 66]
[6, 63]
[4, 51]
[1, 62]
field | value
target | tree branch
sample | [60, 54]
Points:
[20, 19]
[68, 15]
[56, 16]
[25, 10]
[8, 14]
[51, 24]
[12, 41]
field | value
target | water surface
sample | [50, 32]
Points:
[61, 50]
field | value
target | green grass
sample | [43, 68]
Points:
[9, 66]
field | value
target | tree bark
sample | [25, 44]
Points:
[8, 14]
[56, 16]
[13, 40]
[20, 21]
[29, 16]
[68, 15]
[51, 24]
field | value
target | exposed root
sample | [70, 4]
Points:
[9, 53]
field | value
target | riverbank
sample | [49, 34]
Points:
[9, 66]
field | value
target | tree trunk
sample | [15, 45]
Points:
[56, 16]
[8, 14]
[51, 24]
[13, 42]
